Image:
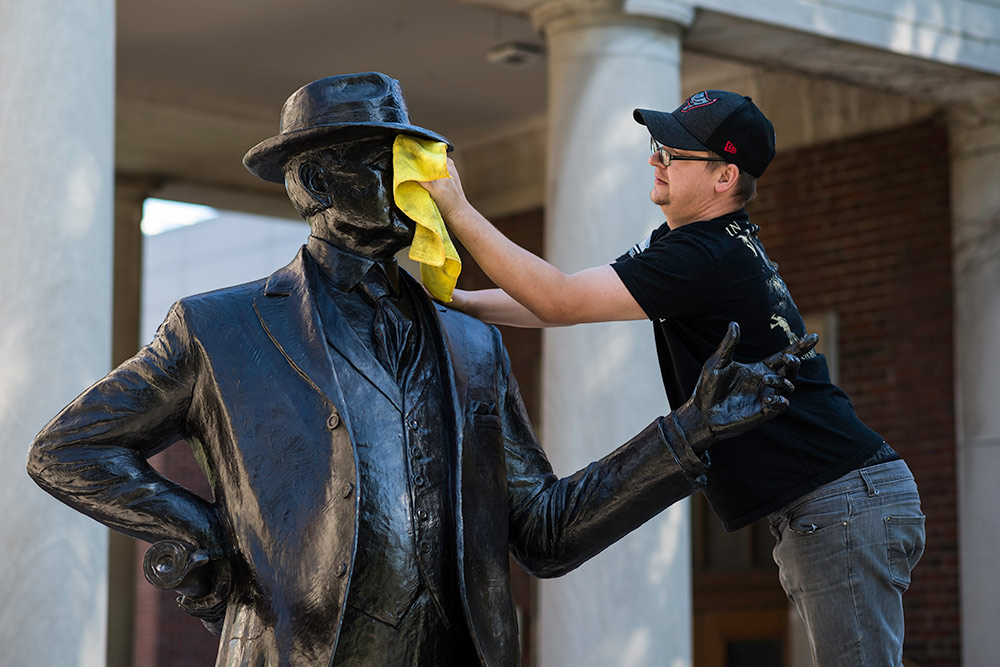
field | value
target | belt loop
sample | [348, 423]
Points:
[869, 484]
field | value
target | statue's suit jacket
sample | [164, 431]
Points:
[244, 374]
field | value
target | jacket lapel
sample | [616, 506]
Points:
[287, 309]
[346, 341]
[288, 314]
[456, 376]
[456, 368]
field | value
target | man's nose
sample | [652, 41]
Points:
[654, 161]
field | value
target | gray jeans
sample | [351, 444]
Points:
[845, 552]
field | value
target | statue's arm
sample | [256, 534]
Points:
[92, 455]
[557, 524]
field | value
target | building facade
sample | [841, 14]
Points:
[880, 207]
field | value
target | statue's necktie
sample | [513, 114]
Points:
[390, 327]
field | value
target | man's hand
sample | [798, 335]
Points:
[447, 192]
[732, 398]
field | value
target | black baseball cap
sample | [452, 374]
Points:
[718, 121]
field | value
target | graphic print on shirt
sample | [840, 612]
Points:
[784, 307]
[640, 246]
[734, 230]
[779, 291]
[778, 287]
[777, 321]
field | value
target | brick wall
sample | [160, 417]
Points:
[862, 227]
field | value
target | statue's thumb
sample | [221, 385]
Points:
[728, 346]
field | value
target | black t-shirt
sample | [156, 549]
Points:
[691, 282]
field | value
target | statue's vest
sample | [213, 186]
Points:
[406, 531]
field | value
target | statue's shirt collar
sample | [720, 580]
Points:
[344, 270]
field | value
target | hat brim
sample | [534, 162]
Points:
[267, 159]
[667, 130]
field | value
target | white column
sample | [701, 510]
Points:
[975, 163]
[57, 140]
[631, 605]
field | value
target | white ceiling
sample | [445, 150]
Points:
[201, 82]
[264, 50]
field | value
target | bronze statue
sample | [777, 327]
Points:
[369, 453]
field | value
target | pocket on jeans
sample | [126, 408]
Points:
[813, 516]
[905, 540]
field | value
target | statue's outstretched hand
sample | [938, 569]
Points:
[732, 398]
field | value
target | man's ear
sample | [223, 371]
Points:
[313, 179]
[726, 178]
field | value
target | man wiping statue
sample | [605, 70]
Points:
[370, 457]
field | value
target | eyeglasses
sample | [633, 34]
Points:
[666, 158]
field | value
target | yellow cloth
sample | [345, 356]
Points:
[413, 160]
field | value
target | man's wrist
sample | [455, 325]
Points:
[454, 210]
[459, 300]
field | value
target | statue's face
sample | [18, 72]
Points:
[351, 182]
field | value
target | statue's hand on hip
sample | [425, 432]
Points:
[204, 583]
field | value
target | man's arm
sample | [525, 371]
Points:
[495, 307]
[551, 296]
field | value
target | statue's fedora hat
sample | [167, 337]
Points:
[322, 108]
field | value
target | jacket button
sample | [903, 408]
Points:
[422, 515]
[419, 480]
[425, 547]
[341, 570]
[416, 452]
[412, 423]
[334, 421]
[348, 490]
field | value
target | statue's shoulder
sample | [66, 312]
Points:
[221, 305]
[468, 331]
[234, 294]
[287, 279]
[456, 319]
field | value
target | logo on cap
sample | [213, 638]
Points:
[729, 148]
[697, 100]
